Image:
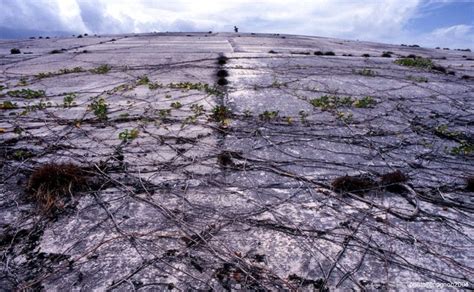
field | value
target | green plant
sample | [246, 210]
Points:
[419, 62]
[127, 135]
[464, 148]
[143, 80]
[15, 51]
[176, 105]
[102, 69]
[21, 154]
[8, 105]
[365, 102]
[68, 100]
[34, 107]
[26, 93]
[345, 117]
[164, 113]
[327, 102]
[220, 113]
[42, 75]
[367, 72]
[268, 116]
[99, 107]
[387, 54]
[197, 109]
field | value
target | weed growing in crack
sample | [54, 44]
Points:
[144, 80]
[100, 109]
[127, 135]
[365, 102]
[220, 113]
[7, 105]
[176, 105]
[41, 105]
[198, 110]
[42, 75]
[102, 69]
[344, 117]
[327, 102]
[68, 100]
[27, 93]
[268, 116]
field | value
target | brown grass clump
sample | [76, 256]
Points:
[353, 183]
[50, 184]
[470, 183]
[393, 178]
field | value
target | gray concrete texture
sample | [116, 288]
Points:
[245, 201]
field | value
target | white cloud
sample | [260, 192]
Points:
[383, 21]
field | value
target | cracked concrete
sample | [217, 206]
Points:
[244, 201]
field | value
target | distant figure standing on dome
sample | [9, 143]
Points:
[236, 29]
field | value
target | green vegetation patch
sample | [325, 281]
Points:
[27, 93]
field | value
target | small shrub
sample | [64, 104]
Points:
[464, 148]
[329, 53]
[354, 184]
[365, 55]
[51, 184]
[386, 54]
[102, 69]
[415, 62]
[272, 52]
[15, 51]
[318, 53]
[21, 155]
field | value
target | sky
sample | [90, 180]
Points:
[428, 23]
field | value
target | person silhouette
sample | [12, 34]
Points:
[236, 29]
